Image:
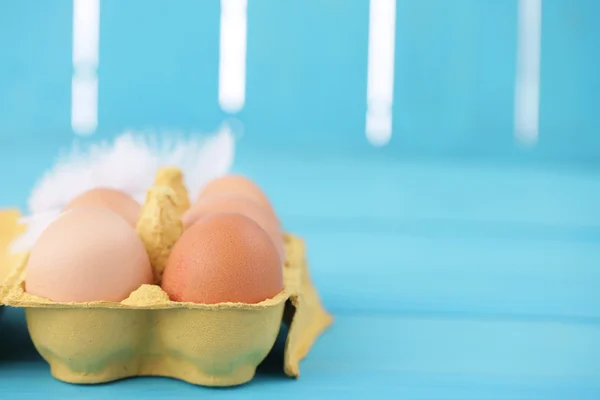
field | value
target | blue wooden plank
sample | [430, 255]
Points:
[570, 81]
[306, 78]
[387, 272]
[388, 190]
[455, 77]
[35, 72]
[414, 357]
[158, 66]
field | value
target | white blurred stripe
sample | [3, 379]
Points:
[84, 91]
[380, 81]
[527, 85]
[86, 31]
[232, 60]
[84, 111]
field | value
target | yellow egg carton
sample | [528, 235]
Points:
[149, 335]
[9, 229]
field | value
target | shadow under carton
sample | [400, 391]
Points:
[149, 335]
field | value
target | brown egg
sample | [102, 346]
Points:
[237, 185]
[223, 258]
[115, 200]
[87, 254]
[237, 204]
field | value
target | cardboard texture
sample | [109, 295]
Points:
[149, 335]
[9, 229]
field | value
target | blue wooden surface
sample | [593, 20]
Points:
[459, 265]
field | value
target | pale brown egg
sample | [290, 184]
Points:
[223, 258]
[237, 204]
[237, 185]
[115, 200]
[87, 254]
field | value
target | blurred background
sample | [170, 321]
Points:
[440, 157]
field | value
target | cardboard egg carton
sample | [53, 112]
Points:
[149, 335]
[9, 229]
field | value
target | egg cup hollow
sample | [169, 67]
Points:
[149, 335]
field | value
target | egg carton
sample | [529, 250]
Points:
[9, 229]
[149, 335]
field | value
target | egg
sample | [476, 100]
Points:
[237, 204]
[224, 257]
[115, 200]
[237, 185]
[87, 254]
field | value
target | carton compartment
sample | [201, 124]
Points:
[212, 348]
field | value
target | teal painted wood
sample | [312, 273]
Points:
[426, 307]
[568, 102]
[416, 357]
[160, 69]
[306, 74]
[35, 72]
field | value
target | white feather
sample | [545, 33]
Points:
[129, 164]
